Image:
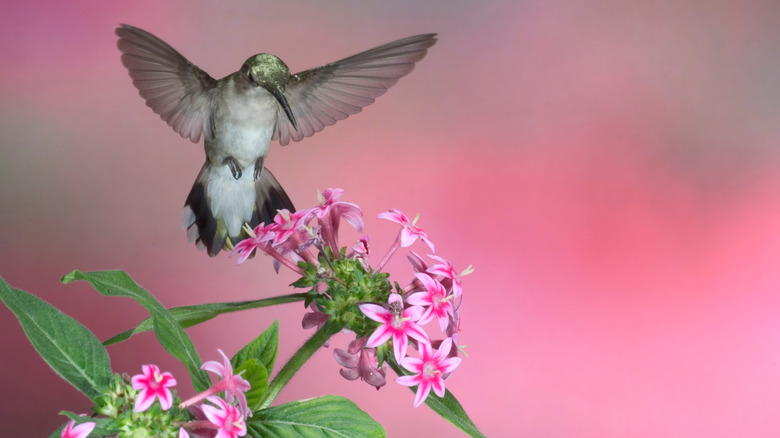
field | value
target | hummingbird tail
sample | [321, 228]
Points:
[210, 231]
[271, 197]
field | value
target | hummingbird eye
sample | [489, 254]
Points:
[251, 77]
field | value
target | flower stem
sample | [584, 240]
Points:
[298, 359]
[390, 253]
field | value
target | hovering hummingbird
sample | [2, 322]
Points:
[241, 113]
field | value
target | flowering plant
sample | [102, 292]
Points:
[342, 290]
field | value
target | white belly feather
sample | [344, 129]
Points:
[243, 127]
[230, 198]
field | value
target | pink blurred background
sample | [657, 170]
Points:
[610, 169]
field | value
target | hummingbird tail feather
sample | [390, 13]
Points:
[210, 232]
[202, 227]
[270, 198]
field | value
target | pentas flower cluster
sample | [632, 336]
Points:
[345, 289]
[220, 418]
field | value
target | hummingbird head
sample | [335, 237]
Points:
[271, 73]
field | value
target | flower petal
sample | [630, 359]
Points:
[450, 364]
[438, 386]
[143, 400]
[375, 312]
[380, 336]
[422, 393]
[417, 332]
[420, 299]
[400, 342]
[408, 380]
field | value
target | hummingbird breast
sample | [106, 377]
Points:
[242, 125]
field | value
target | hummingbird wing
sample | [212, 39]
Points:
[173, 87]
[324, 95]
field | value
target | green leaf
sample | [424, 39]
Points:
[170, 334]
[69, 348]
[257, 376]
[263, 348]
[329, 416]
[257, 359]
[448, 406]
[189, 316]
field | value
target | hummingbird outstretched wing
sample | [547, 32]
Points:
[321, 96]
[173, 87]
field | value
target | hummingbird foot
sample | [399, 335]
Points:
[259, 167]
[235, 168]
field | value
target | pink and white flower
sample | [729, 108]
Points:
[397, 323]
[332, 207]
[445, 269]
[428, 370]
[439, 304]
[233, 385]
[286, 223]
[410, 231]
[258, 238]
[71, 430]
[153, 384]
[227, 418]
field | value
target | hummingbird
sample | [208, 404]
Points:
[240, 114]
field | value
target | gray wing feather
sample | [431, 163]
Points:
[172, 86]
[324, 95]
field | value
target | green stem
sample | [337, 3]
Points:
[189, 316]
[297, 360]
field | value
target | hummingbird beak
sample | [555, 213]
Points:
[279, 95]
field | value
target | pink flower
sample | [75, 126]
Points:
[435, 297]
[327, 199]
[445, 269]
[81, 431]
[360, 249]
[329, 214]
[333, 208]
[201, 427]
[398, 323]
[428, 370]
[286, 253]
[360, 252]
[410, 231]
[153, 384]
[315, 318]
[258, 238]
[418, 264]
[360, 362]
[226, 417]
[232, 385]
[286, 223]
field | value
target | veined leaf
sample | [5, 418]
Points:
[170, 334]
[329, 416]
[69, 348]
[262, 348]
